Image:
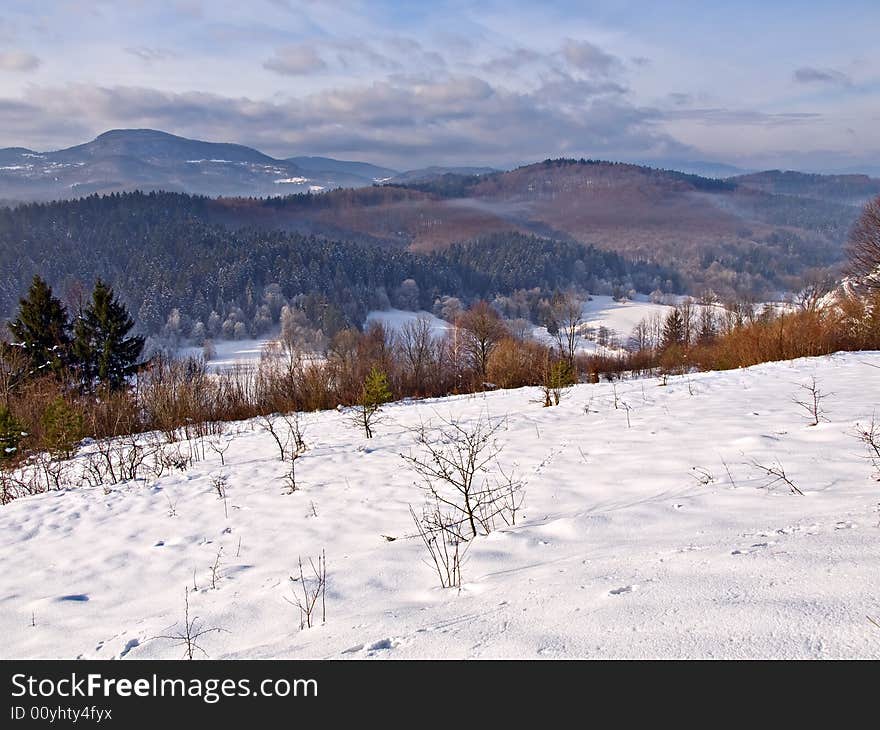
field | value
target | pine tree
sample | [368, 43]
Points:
[41, 330]
[10, 434]
[673, 329]
[62, 427]
[374, 393]
[103, 350]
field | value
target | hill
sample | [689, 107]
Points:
[146, 159]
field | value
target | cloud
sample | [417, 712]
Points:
[300, 60]
[408, 121]
[149, 55]
[586, 56]
[811, 75]
[18, 61]
[751, 117]
[513, 60]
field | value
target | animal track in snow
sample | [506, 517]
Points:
[623, 589]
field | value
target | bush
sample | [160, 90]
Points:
[10, 435]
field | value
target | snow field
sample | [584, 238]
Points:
[634, 542]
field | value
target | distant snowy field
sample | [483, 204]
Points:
[601, 311]
[623, 551]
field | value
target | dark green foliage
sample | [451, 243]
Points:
[41, 329]
[673, 329]
[162, 250]
[62, 427]
[374, 394]
[503, 262]
[103, 350]
[10, 435]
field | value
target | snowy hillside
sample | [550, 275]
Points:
[659, 538]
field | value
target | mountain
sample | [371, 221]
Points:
[701, 167]
[146, 159]
[426, 174]
[362, 171]
[723, 235]
[850, 189]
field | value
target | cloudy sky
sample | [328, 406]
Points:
[750, 83]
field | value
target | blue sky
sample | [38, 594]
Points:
[754, 84]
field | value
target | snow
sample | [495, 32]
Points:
[621, 316]
[395, 319]
[230, 353]
[623, 550]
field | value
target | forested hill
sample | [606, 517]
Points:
[163, 251]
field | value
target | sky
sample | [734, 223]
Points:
[754, 84]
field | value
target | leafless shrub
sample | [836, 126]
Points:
[440, 533]
[775, 474]
[215, 569]
[459, 468]
[270, 424]
[189, 634]
[312, 590]
[870, 436]
[218, 482]
[812, 402]
[703, 476]
[219, 443]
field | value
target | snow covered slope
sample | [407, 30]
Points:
[635, 542]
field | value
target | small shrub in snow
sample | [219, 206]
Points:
[775, 474]
[442, 540]
[459, 467]
[812, 402]
[374, 394]
[190, 633]
[870, 436]
[310, 591]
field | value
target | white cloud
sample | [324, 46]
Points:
[299, 60]
[18, 61]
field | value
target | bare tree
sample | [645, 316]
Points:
[192, 630]
[440, 537]
[812, 403]
[774, 475]
[270, 424]
[458, 464]
[481, 331]
[863, 247]
[416, 346]
[870, 436]
[567, 313]
[312, 590]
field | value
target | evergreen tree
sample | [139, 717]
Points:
[374, 393]
[62, 427]
[103, 350]
[673, 329]
[10, 434]
[41, 330]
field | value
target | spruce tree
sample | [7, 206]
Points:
[41, 330]
[103, 350]
[374, 394]
[10, 434]
[673, 329]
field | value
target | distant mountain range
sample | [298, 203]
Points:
[146, 159]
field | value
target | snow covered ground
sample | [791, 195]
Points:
[395, 319]
[619, 317]
[230, 353]
[634, 541]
